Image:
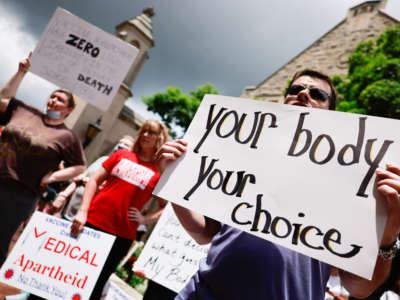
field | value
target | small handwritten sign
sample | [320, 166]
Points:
[299, 177]
[47, 261]
[79, 56]
[170, 256]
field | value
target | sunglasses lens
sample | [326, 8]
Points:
[295, 89]
[318, 94]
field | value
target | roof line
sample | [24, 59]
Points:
[261, 83]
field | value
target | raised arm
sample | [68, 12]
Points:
[388, 186]
[9, 90]
[90, 190]
[62, 175]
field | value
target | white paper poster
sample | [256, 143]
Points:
[47, 261]
[81, 57]
[170, 257]
[299, 177]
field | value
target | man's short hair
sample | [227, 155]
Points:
[319, 75]
[71, 97]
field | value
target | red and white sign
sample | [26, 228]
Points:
[47, 261]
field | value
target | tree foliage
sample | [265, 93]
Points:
[372, 84]
[177, 108]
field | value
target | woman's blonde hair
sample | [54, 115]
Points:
[162, 135]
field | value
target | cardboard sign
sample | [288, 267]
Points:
[47, 261]
[170, 257]
[76, 55]
[299, 177]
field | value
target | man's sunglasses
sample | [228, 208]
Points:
[315, 93]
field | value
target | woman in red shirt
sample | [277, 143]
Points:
[130, 177]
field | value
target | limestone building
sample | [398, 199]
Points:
[330, 53]
[119, 119]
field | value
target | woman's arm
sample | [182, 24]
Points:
[135, 215]
[9, 90]
[90, 190]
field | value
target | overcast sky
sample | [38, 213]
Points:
[230, 43]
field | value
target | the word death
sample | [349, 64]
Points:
[223, 130]
[83, 45]
[312, 147]
[101, 87]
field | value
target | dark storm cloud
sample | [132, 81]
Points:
[230, 43]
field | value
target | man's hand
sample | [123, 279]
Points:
[25, 64]
[388, 185]
[135, 215]
[78, 223]
[169, 152]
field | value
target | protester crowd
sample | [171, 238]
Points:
[41, 159]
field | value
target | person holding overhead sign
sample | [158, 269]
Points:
[242, 266]
[32, 145]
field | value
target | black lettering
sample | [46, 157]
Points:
[210, 124]
[253, 129]
[300, 130]
[303, 237]
[88, 46]
[314, 148]
[235, 210]
[202, 175]
[212, 176]
[296, 231]
[101, 85]
[328, 239]
[261, 126]
[222, 121]
[237, 184]
[95, 52]
[249, 177]
[80, 44]
[107, 90]
[374, 164]
[274, 226]
[257, 215]
[73, 40]
[356, 148]
[81, 77]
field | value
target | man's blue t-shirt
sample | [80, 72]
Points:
[244, 267]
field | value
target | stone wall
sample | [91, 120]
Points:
[330, 53]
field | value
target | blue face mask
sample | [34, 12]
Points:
[52, 114]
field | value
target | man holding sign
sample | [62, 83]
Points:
[242, 266]
[32, 145]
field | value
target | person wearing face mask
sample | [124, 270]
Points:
[32, 145]
[129, 178]
[75, 189]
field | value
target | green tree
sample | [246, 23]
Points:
[372, 83]
[177, 108]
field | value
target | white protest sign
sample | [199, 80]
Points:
[81, 57]
[170, 257]
[299, 177]
[48, 262]
[113, 292]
